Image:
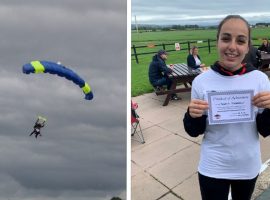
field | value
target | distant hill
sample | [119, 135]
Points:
[155, 27]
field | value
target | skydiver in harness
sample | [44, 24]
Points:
[38, 125]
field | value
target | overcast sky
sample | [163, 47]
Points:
[197, 11]
[82, 153]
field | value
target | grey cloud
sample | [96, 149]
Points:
[184, 12]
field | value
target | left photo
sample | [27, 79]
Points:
[63, 100]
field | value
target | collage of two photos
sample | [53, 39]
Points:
[200, 100]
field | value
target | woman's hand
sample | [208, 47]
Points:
[262, 100]
[197, 107]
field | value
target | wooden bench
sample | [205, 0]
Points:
[181, 74]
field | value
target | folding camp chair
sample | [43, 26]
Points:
[135, 124]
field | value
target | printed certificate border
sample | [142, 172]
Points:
[229, 92]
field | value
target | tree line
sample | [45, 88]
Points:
[153, 28]
[144, 28]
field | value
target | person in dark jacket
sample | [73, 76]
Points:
[193, 59]
[265, 46]
[252, 57]
[158, 72]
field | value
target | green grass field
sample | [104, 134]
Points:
[139, 72]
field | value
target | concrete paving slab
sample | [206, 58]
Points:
[155, 152]
[144, 187]
[137, 141]
[145, 123]
[175, 125]
[135, 169]
[185, 96]
[159, 114]
[265, 148]
[170, 196]
[154, 100]
[177, 168]
[189, 189]
[185, 99]
[151, 135]
[147, 100]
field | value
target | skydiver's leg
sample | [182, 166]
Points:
[38, 134]
[32, 132]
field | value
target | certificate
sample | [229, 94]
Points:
[230, 106]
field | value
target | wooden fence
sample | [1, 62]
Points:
[171, 47]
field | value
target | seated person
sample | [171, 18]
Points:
[252, 57]
[158, 71]
[193, 59]
[265, 46]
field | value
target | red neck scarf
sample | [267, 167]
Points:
[240, 71]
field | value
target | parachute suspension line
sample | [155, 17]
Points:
[39, 68]
[86, 88]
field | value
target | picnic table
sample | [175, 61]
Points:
[265, 59]
[181, 74]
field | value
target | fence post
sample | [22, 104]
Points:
[209, 47]
[135, 54]
[163, 46]
[188, 43]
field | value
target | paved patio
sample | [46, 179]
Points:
[165, 167]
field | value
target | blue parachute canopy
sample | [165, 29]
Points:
[60, 70]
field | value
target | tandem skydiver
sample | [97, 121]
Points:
[38, 125]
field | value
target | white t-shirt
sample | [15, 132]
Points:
[230, 151]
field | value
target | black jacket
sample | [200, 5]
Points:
[196, 126]
[191, 61]
[264, 48]
[252, 57]
[157, 69]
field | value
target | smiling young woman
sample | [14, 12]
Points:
[230, 152]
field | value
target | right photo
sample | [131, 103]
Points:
[200, 100]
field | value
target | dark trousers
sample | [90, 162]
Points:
[163, 81]
[218, 189]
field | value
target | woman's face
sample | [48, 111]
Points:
[233, 44]
[195, 51]
[265, 42]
